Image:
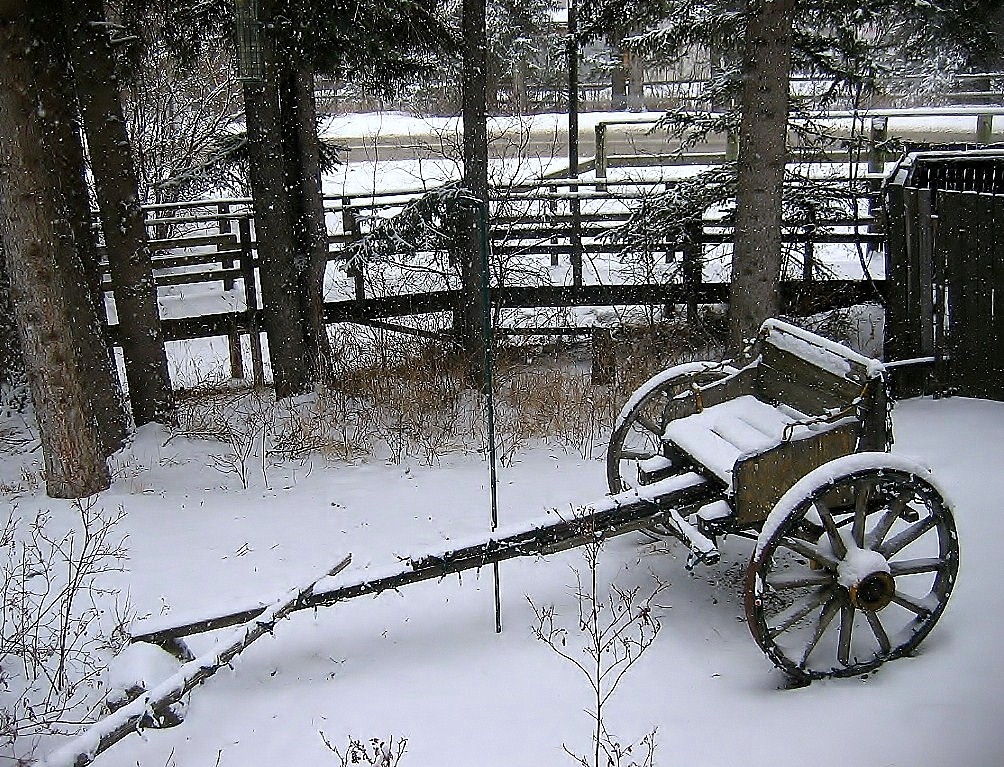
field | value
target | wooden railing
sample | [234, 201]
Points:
[881, 128]
[565, 221]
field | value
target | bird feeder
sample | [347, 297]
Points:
[250, 59]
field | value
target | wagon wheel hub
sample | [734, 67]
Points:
[873, 592]
[866, 576]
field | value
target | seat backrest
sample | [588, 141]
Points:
[812, 374]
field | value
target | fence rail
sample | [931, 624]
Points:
[563, 223]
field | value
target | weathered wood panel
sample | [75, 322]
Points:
[761, 480]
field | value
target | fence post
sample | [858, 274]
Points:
[223, 226]
[600, 152]
[984, 128]
[575, 236]
[693, 249]
[731, 146]
[552, 208]
[350, 227]
[251, 299]
[878, 134]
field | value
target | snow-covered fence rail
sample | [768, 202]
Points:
[552, 245]
[973, 124]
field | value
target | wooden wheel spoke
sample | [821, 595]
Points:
[913, 532]
[844, 633]
[648, 424]
[916, 566]
[881, 530]
[836, 542]
[826, 616]
[635, 455]
[879, 631]
[911, 604]
[795, 612]
[782, 581]
[862, 496]
[809, 551]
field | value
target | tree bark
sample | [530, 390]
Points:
[756, 262]
[77, 256]
[469, 319]
[33, 228]
[303, 171]
[273, 214]
[11, 364]
[122, 221]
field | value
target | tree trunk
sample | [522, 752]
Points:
[122, 221]
[469, 319]
[33, 228]
[756, 262]
[303, 170]
[11, 364]
[635, 82]
[278, 269]
[619, 77]
[520, 95]
[77, 257]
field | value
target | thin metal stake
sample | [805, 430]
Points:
[486, 335]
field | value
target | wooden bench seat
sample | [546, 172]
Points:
[720, 436]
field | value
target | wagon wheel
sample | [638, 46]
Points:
[638, 430]
[853, 568]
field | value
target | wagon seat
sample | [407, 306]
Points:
[802, 401]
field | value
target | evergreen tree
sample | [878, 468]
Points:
[51, 302]
[856, 47]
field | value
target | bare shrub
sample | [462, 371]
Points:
[402, 397]
[611, 634]
[56, 625]
[376, 751]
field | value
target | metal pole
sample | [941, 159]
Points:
[573, 89]
[489, 362]
[574, 203]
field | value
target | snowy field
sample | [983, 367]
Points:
[425, 663]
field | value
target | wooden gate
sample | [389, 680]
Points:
[946, 270]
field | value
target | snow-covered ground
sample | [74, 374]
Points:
[425, 663]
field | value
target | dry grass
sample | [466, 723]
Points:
[395, 397]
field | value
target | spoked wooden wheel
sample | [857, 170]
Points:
[853, 568]
[637, 434]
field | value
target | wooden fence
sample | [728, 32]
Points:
[946, 271]
[883, 125]
[564, 223]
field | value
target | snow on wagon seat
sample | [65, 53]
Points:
[722, 434]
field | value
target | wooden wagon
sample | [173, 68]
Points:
[856, 549]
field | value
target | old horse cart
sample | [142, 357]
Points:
[856, 549]
[855, 553]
